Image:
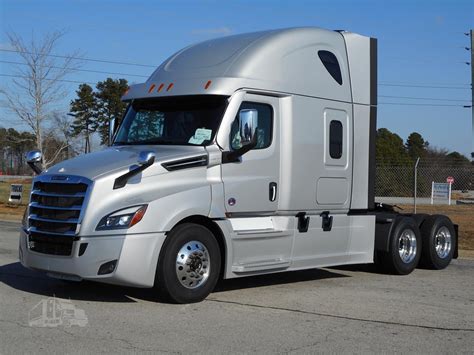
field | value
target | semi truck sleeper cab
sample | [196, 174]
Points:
[243, 155]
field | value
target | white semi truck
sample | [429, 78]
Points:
[243, 155]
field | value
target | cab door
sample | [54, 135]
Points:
[251, 185]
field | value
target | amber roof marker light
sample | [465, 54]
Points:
[209, 82]
[151, 88]
[160, 87]
[170, 86]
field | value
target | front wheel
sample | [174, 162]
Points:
[189, 264]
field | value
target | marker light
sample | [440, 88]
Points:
[151, 88]
[122, 219]
[207, 85]
[169, 87]
[160, 87]
[137, 217]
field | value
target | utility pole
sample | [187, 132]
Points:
[416, 185]
[472, 92]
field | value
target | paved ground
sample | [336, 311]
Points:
[339, 310]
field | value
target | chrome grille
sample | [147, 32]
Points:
[55, 211]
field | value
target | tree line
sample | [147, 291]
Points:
[392, 150]
[15, 144]
[395, 163]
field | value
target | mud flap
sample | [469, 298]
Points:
[456, 230]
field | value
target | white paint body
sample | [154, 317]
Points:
[279, 68]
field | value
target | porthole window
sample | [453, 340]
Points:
[335, 139]
[331, 64]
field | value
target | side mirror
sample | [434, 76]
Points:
[111, 130]
[248, 121]
[146, 157]
[33, 157]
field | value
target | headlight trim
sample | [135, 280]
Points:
[124, 218]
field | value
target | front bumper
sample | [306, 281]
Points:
[136, 255]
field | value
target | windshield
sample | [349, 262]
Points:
[180, 120]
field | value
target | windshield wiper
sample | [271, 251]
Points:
[153, 141]
[158, 141]
[123, 143]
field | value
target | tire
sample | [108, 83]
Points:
[439, 242]
[419, 219]
[189, 264]
[404, 248]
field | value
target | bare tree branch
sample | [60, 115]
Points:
[38, 87]
[52, 159]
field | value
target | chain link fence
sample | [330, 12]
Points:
[395, 183]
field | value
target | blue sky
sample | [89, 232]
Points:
[420, 42]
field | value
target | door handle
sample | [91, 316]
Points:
[272, 191]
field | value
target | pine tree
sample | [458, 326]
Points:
[416, 145]
[109, 104]
[84, 110]
[389, 148]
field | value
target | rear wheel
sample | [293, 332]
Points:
[404, 249]
[439, 242]
[189, 264]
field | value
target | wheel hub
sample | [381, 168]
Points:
[442, 242]
[193, 265]
[407, 246]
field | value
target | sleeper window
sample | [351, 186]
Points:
[331, 64]
[335, 139]
[264, 125]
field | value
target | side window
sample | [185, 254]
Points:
[331, 64]
[264, 125]
[335, 139]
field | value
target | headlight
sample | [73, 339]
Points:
[122, 219]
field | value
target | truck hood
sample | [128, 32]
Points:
[113, 159]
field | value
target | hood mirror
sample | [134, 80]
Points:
[32, 158]
[146, 157]
[248, 121]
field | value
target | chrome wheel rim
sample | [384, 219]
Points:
[193, 265]
[442, 242]
[407, 246]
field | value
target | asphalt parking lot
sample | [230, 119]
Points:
[350, 309]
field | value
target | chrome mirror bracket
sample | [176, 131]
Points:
[32, 158]
[145, 159]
